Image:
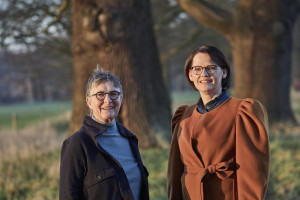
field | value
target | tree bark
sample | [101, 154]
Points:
[296, 56]
[118, 36]
[260, 34]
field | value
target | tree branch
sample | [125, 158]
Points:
[168, 17]
[166, 56]
[209, 15]
[60, 11]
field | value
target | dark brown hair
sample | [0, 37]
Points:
[216, 55]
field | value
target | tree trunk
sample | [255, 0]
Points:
[118, 36]
[262, 49]
[296, 56]
[260, 34]
[262, 72]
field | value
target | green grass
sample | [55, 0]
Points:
[30, 113]
[284, 180]
[27, 114]
[38, 176]
[295, 96]
[184, 98]
[156, 161]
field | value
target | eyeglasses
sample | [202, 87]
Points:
[210, 69]
[113, 95]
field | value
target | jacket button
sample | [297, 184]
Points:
[98, 177]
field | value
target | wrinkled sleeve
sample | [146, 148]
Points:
[252, 150]
[71, 172]
[175, 165]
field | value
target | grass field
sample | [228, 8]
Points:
[35, 175]
[26, 114]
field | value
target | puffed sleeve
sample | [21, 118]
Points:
[175, 166]
[71, 171]
[252, 150]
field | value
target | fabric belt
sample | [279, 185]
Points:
[222, 170]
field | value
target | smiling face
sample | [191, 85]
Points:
[209, 85]
[107, 110]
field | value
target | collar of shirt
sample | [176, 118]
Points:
[213, 103]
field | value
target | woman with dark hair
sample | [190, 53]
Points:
[219, 147]
[102, 159]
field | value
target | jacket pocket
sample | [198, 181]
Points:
[99, 176]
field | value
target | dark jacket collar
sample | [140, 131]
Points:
[93, 128]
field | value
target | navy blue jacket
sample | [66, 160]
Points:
[87, 171]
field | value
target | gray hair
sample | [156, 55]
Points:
[100, 76]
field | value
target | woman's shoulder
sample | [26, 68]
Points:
[75, 144]
[76, 138]
[247, 104]
[254, 110]
[251, 105]
[181, 110]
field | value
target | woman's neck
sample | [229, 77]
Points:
[103, 123]
[207, 97]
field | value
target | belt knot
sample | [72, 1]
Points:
[211, 169]
[222, 170]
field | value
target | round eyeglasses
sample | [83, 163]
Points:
[113, 95]
[210, 69]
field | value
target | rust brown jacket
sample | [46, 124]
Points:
[219, 155]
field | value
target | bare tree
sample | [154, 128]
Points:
[35, 50]
[118, 35]
[29, 23]
[260, 34]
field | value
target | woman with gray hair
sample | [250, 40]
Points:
[102, 159]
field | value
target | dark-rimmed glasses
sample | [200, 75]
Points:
[210, 69]
[113, 95]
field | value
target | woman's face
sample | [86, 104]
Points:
[106, 110]
[207, 84]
